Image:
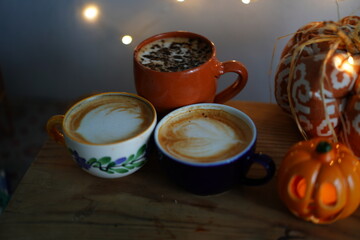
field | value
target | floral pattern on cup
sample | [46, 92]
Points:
[120, 165]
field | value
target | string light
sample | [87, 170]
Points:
[91, 12]
[180, 0]
[351, 60]
[126, 39]
[344, 64]
[246, 1]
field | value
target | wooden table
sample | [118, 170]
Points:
[57, 200]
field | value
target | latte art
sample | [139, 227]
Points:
[108, 119]
[204, 136]
[201, 138]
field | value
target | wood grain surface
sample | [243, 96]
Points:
[57, 200]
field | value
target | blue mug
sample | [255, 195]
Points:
[208, 148]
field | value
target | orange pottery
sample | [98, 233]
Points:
[317, 80]
[319, 180]
[170, 90]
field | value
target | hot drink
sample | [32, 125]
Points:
[207, 148]
[107, 134]
[175, 54]
[204, 135]
[108, 119]
[180, 68]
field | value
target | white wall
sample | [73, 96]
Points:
[48, 50]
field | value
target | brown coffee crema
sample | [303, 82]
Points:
[175, 54]
[204, 135]
[108, 119]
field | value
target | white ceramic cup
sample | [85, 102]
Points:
[107, 134]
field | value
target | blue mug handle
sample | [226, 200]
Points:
[265, 161]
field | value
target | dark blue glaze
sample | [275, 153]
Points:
[210, 179]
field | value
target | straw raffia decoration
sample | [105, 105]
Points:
[317, 80]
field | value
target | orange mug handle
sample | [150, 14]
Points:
[53, 128]
[232, 90]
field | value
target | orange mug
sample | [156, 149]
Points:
[168, 89]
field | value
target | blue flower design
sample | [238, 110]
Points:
[81, 161]
[120, 160]
[121, 165]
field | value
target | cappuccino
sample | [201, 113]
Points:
[175, 54]
[204, 135]
[108, 119]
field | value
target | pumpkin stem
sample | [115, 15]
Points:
[323, 147]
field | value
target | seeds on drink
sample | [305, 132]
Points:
[175, 54]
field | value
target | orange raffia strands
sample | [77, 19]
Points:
[318, 80]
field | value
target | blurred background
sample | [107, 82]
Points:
[52, 49]
[53, 52]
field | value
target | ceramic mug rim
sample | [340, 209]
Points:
[226, 108]
[92, 97]
[166, 35]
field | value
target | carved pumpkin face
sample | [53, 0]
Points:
[319, 180]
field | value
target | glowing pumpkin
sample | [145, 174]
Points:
[319, 180]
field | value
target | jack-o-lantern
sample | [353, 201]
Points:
[319, 180]
[318, 80]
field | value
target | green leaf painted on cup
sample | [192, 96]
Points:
[96, 164]
[106, 164]
[105, 160]
[91, 161]
[121, 170]
[139, 164]
[141, 151]
[110, 165]
[129, 159]
[128, 166]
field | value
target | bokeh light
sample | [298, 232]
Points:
[344, 64]
[351, 60]
[126, 39]
[91, 12]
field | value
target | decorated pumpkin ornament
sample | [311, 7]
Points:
[319, 180]
[318, 80]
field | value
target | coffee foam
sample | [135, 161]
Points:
[108, 119]
[208, 135]
[174, 54]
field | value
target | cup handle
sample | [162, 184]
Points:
[269, 166]
[53, 128]
[232, 90]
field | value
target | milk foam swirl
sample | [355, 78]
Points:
[109, 119]
[204, 138]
